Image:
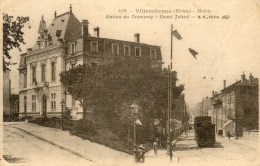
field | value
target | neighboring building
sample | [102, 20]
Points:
[6, 92]
[63, 45]
[218, 114]
[233, 103]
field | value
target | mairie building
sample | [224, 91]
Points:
[64, 44]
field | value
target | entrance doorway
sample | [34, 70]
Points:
[44, 105]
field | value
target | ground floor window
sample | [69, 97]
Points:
[53, 102]
[33, 102]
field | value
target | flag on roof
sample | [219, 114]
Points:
[138, 122]
[156, 122]
[176, 34]
[193, 52]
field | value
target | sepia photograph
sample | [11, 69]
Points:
[125, 83]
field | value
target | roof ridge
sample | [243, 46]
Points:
[61, 15]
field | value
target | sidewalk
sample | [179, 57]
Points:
[251, 141]
[83, 148]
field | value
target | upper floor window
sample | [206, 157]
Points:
[228, 98]
[232, 97]
[53, 71]
[43, 72]
[25, 80]
[34, 75]
[94, 47]
[73, 47]
[115, 49]
[153, 54]
[138, 51]
[127, 50]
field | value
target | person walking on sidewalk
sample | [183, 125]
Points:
[228, 134]
[141, 152]
[155, 147]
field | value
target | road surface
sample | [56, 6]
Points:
[21, 148]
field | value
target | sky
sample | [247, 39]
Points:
[226, 47]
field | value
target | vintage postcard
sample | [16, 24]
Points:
[117, 82]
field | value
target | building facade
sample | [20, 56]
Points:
[65, 44]
[234, 104]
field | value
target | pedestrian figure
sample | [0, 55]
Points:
[228, 134]
[155, 147]
[136, 156]
[141, 153]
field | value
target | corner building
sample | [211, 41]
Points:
[65, 44]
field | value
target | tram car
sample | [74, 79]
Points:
[204, 131]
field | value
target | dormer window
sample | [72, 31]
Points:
[138, 51]
[115, 49]
[94, 47]
[153, 54]
[127, 50]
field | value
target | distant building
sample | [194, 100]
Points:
[206, 105]
[234, 103]
[65, 44]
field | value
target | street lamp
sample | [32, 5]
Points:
[134, 108]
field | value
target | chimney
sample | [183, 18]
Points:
[213, 93]
[243, 77]
[224, 83]
[137, 38]
[84, 32]
[251, 79]
[96, 31]
[70, 9]
[55, 14]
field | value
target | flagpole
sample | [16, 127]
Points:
[170, 83]
[168, 112]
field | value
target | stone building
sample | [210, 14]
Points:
[67, 42]
[233, 106]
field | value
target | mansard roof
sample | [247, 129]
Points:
[65, 26]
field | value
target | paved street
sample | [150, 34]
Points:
[23, 149]
[30, 144]
[225, 152]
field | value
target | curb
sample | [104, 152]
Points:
[53, 143]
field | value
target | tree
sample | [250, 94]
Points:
[80, 83]
[12, 37]
[113, 87]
